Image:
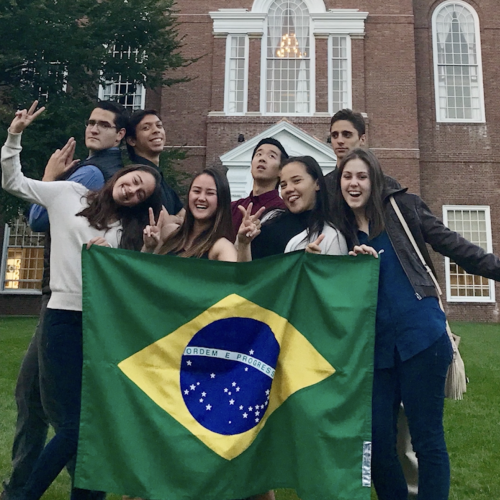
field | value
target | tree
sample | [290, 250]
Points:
[59, 51]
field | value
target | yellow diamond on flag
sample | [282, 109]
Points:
[156, 370]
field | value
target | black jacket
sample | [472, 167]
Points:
[427, 228]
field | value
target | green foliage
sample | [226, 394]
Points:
[60, 51]
[471, 425]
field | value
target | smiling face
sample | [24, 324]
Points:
[345, 137]
[133, 188]
[103, 134]
[202, 199]
[266, 163]
[298, 188]
[356, 186]
[149, 137]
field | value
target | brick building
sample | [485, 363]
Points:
[422, 71]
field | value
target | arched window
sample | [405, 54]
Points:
[288, 60]
[457, 63]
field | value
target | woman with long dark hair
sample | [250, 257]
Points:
[412, 347]
[307, 222]
[207, 227]
[113, 216]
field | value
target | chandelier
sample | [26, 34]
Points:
[289, 47]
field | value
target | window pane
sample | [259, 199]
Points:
[288, 61]
[24, 259]
[466, 222]
[457, 63]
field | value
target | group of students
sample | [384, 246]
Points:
[346, 212]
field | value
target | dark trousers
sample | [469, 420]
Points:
[61, 364]
[419, 383]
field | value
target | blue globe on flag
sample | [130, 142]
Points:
[227, 370]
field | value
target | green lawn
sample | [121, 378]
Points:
[472, 425]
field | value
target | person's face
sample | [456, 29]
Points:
[266, 163]
[101, 133]
[202, 199]
[298, 188]
[356, 185]
[133, 188]
[345, 137]
[150, 137]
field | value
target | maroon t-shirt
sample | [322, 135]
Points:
[271, 200]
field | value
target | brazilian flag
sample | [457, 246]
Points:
[221, 380]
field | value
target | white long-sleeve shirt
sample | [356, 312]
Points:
[69, 232]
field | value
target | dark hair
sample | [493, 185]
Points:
[357, 120]
[133, 122]
[103, 210]
[273, 142]
[343, 215]
[321, 213]
[222, 226]
[121, 114]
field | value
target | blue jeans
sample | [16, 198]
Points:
[61, 357]
[419, 383]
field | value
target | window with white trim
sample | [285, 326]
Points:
[473, 223]
[22, 259]
[131, 95]
[288, 58]
[339, 70]
[458, 74]
[236, 74]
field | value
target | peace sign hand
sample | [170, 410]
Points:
[250, 225]
[24, 117]
[151, 233]
[314, 246]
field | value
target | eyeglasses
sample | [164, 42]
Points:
[100, 124]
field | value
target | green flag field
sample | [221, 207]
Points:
[223, 380]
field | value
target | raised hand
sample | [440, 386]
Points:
[60, 161]
[364, 250]
[250, 225]
[314, 246]
[24, 117]
[151, 233]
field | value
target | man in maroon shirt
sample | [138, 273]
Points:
[266, 160]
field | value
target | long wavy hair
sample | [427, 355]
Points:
[321, 212]
[103, 210]
[221, 226]
[343, 215]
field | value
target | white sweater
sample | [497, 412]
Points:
[63, 201]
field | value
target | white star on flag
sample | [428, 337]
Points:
[203, 394]
[231, 402]
[245, 415]
[209, 407]
[186, 392]
[250, 408]
[189, 363]
[241, 407]
[226, 389]
[237, 389]
[192, 387]
[251, 351]
[234, 384]
[212, 375]
[257, 413]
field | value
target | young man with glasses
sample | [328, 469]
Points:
[104, 131]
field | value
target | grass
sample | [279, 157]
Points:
[471, 425]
